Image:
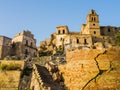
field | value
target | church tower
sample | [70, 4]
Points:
[62, 30]
[92, 23]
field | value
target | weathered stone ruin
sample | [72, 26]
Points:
[91, 35]
[92, 69]
[21, 46]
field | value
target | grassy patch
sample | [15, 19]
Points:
[11, 66]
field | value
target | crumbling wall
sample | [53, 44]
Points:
[10, 79]
[92, 69]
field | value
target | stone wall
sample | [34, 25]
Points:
[0, 51]
[92, 69]
[4, 46]
[10, 79]
[109, 30]
[81, 40]
[20, 62]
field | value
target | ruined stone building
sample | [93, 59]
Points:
[22, 45]
[91, 35]
[4, 46]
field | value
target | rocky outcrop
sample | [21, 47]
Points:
[92, 69]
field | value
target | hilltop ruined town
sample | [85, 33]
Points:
[84, 60]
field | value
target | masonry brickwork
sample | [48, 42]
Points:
[92, 69]
[4, 46]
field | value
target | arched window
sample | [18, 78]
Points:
[108, 29]
[26, 42]
[61, 39]
[92, 18]
[77, 40]
[31, 44]
[26, 51]
[13, 45]
[92, 12]
[85, 41]
[94, 32]
[58, 31]
[63, 31]
[93, 24]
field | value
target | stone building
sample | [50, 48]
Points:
[4, 46]
[24, 44]
[91, 35]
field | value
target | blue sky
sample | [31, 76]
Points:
[42, 16]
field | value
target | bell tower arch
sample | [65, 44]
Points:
[61, 30]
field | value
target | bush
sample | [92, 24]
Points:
[3, 67]
[10, 66]
[47, 53]
[12, 58]
[27, 71]
[1, 58]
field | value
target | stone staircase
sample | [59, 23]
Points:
[47, 79]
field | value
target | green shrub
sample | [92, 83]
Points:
[27, 71]
[13, 66]
[46, 53]
[3, 67]
[10, 66]
[1, 58]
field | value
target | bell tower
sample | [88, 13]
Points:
[62, 30]
[92, 22]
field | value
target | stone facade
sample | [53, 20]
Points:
[4, 46]
[22, 45]
[91, 35]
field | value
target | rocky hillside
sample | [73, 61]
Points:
[92, 69]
